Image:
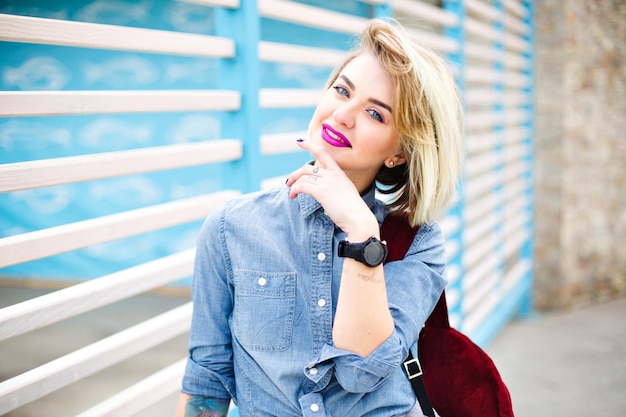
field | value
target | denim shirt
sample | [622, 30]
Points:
[265, 289]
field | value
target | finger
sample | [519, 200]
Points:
[306, 169]
[321, 155]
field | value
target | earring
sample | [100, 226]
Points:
[391, 164]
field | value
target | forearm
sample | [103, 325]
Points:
[198, 405]
[362, 320]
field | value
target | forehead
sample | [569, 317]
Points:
[368, 77]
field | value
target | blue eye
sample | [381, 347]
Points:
[341, 91]
[376, 115]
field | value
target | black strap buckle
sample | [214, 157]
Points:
[413, 368]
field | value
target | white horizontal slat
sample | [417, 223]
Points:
[514, 242]
[71, 301]
[481, 290]
[483, 74]
[141, 395]
[479, 250]
[54, 103]
[477, 142]
[296, 54]
[272, 182]
[516, 151]
[479, 28]
[481, 184]
[277, 143]
[288, 97]
[231, 4]
[476, 209]
[52, 241]
[481, 9]
[515, 189]
[475, 231]
[477, 316]
[517, 80]
[483, 96]
[513, 134]
[426, 11]
[48, 172]
[79, 364]
[305, 15]
[452, 248]
[486, 161]
[483, 120]
[94, 35]
[517, 221]
[515, 275]
[516, 61]
[517, 98]
[454, 274]
[517, 116]
[433, 40]
[449, 225]
[481, 52]
[488, 266]
[516, 25]
[516, 8]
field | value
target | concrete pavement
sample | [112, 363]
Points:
[567, 363]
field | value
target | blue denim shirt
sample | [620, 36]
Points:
[265, 291]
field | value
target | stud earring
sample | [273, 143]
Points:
[391, 164]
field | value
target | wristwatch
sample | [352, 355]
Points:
[372, 252]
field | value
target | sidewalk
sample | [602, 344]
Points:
[563, 364]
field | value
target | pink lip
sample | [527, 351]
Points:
[334, 138]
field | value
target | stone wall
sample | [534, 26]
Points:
[580, 151]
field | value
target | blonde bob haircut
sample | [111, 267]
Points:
[428, 117]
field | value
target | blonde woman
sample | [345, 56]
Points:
[294, 312]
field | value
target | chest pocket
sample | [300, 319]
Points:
[265, 304]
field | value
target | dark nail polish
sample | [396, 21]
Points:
[299, 140]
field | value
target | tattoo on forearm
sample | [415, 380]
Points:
[200, 406]
[368, 277]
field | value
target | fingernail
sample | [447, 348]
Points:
[287, 180]
[299, 140]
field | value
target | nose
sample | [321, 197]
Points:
[345, 114]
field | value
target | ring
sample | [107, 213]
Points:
[316, 170]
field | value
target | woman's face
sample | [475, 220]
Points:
[353, 120]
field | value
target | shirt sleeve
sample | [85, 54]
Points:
[414, 284]
[209, 370]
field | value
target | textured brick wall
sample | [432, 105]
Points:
[580, 151]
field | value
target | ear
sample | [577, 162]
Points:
[394, 161]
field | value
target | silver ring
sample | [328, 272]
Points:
[316, 170]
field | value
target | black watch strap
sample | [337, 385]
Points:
[372, 252]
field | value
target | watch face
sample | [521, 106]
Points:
[374, 253]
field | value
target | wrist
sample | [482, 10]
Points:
[363, 228]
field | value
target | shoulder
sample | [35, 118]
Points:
[249, 207]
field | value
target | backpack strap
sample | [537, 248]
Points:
[399, 235]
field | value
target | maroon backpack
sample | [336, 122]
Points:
[456, 376]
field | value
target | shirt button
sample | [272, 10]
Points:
[313, 371]
[321, 256]
[315, 408]
[262, 281]
[321, 302]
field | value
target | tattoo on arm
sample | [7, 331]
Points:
[369, 277]
[200, 406]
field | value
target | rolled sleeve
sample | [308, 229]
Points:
[359, 374]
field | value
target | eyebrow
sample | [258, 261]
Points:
[373, 100]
